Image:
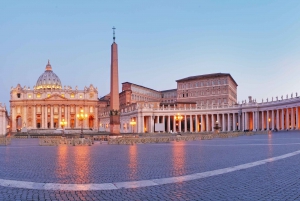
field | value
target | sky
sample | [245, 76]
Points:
[159, 42]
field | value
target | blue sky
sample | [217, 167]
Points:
[258, 42]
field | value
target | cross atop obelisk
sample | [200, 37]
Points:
[114, 90]
[114, 36]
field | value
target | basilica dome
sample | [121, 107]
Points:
[48, 80]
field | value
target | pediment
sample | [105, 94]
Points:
[56, 97]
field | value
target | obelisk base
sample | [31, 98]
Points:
[115, 125]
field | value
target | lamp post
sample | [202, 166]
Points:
[178, 118]
[132, 123]
[82, 116]
[63, 123]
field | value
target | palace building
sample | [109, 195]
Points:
[49, 103]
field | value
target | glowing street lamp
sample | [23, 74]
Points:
[178, 118]
[82, 116]
[132, 123]
[63, 123]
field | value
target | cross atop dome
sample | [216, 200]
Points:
[48, 66]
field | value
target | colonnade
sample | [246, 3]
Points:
[196, 120]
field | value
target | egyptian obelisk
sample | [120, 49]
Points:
[114, 90]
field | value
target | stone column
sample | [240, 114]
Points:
[239, 121]
[287, 119]
[253, 121]
[163, 122]
[46, 116]
[268, 123]
[179, 125]
[34, 116]
[202, 123]
[273, 120]
[185, 124]
[277, 119]
[77, 125]
[59, 115]
[196, 124]
[212, 122]
[43, 117]
[169, 124]
[142, 124]
[292, 119]
[262, 121]
[206, 122]
[243, 121]
[51, 116]
[174, 124]
[152, 123]
[191, 123]
[297, 118]
[223, 123]
[228, 122]
[234, 121]
[282, 119]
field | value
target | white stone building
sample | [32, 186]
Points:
[4, 120]
[48, 103]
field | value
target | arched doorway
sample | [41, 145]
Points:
[19, 123]
[91, 122]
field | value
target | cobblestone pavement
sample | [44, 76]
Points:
[24, 160]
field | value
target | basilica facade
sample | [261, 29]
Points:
[49, 103]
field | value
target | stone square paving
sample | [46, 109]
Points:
[259, 167]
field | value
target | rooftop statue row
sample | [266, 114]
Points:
[66, 88]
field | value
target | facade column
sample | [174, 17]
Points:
[253, 121]
[228, 122]
[202, 123]
[174, 124]
[142, 124]
[257, 120]
[273, 120]
[239, 121]
[287, 116]
[243, 120]
[59, 115]
[191, 123]
[51, 116]
[163, 122]
[206, 122]
[262, 121]
[34, 116]
[223, 122]
[233, 121]
[277, 119]
[297, 118]
[169, 124]
[67, 119]
[45, 116]
[292, 119]
[196, 124]
[151, 123]
[282, 119]
[268, 123]
[179, 125]
[185, 124]
[212, 122]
